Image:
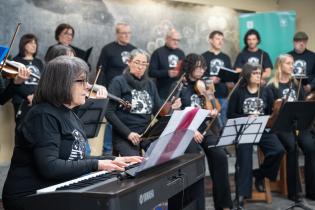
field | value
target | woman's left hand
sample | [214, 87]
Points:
[177, 104]
[213, 113]
[101, 92]
[129, 159]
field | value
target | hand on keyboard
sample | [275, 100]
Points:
[130, 159]
[111, 165]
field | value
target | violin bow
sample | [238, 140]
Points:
[11, 43]
[94, 83]
[153, 121]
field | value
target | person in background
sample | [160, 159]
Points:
[23, 94]
[246, 100]
[64, 35]
[50, 141]
[194, 66]
[253, 55]
[133, 86]
[164, 61]
[284, 86]
[113, 60]
[304, 61]
[215, 59]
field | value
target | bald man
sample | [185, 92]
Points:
[114, 55]
[164, 61]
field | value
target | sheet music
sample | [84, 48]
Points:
[158, 149]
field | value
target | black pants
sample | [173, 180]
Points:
[123, 146]
[307, 144]
[13, 204]
[273, 151]
[218, 167]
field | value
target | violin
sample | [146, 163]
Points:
[167, 108]
[275, 112]
[126, 105]
[10, 69]
[205, 90]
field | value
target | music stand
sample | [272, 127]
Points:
[91, 114]
[294, 117]
[243, 130]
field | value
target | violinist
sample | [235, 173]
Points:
[134, 86]
[246, 100]
[23, 94]
[283, 86]
[50, 141]
[194, 66]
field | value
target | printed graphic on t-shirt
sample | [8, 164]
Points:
[78, 146]
[292, 96]
[253, 60]
[215, 65]
[172, 60]
[195, 101]
[253, 105]
[141, 102]
[125, 56]
[299, 67]
[32, 80]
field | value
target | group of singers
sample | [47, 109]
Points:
[50, 144]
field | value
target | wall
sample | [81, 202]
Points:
[305, 17]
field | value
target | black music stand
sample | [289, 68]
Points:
[294, 117]
[91, 114]
[243, 130]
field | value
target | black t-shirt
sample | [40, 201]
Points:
[162, 60]
[287, 91]
[28, 87]
[214, 62]
[304, 63]
[243, 103]
[253, 58]
[144, 99]
[113, 59]
[49, 148]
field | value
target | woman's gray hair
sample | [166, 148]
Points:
[56, 82]
[136, 52]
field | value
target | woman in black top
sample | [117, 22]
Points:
[195, 66]
[50, 141]
[23, 94]
[283, 86]
[245, 102]
[134, 86]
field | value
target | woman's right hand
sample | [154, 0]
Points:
[134, 137]
[23, 74]
[111, 165]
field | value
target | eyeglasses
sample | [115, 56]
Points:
[82, 81]
[139, 64]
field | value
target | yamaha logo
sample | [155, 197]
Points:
[146, 196]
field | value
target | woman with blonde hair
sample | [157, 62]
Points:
[284, 86]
